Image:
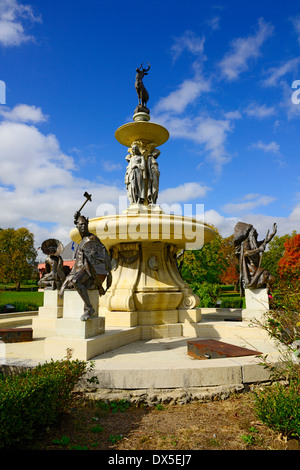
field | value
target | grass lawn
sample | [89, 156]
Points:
[22, 300]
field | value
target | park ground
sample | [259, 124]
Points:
[228, 424]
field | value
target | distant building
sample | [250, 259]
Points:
[68, 256]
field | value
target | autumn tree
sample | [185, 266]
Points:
[289, 264]
[230, 274]
[274, 253]
[17, 255]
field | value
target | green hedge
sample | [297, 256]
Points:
[35, 399]
[231, 302]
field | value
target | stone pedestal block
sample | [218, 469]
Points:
[45, 323]
[71, 332]
[75, 328]
[52, 306]
[257, 299]
[73, 303]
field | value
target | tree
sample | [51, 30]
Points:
[289, 264]
[230, 274]
[204, 265]
[17, 255]
[274, 253]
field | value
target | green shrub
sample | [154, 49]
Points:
[207, 293]
[231, 302]
[278, 407]
[35, 399]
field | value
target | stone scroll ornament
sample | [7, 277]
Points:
[249, 252]
[92, 266]
[54, 275]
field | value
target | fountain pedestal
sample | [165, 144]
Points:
[147, 288]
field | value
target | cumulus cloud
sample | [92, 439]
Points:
[243, 50]
[183, 193]
[272, 147]
[186, 93]
[14, 17]
[39, 186]
[248, 203]
[23, 113]
[260, 111]
[262, 222]
[205, 131]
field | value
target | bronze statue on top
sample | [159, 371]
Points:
[142, 93]
[249, 252]
[91, 268]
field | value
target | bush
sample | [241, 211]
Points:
[207, 293]
[36, 399]
[279, 408]
[231, 302]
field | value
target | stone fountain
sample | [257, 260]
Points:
[143, 241]
[147, 297]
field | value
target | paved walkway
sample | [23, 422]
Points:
[156, 364]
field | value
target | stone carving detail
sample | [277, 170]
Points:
[153, 263]
[153, 177]
[142, 174]
[135, 176]
[249, 252]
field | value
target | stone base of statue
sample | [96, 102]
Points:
[73, 333]
[257, 303]
[45, 323]
[257, 299]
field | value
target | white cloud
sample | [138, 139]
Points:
[186, 93]
[208, 132]
[233, 115]
[247, 204]
[275, 74]
[243, 50]
[183, 193]
[188, 42]
[23, 113]
[260, 111]
[111, 166]
[214, 23]
[39, 188]
[262, 222]
[272, 147]
[13, 16]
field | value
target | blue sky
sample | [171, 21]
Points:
[220, 81]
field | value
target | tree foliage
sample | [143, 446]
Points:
[17, 255]
[274, 253]
[230, 275]
[289, 264]
[206, 264]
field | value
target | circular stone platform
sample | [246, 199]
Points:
[141, 130]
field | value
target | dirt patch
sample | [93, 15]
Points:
[228, 424]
